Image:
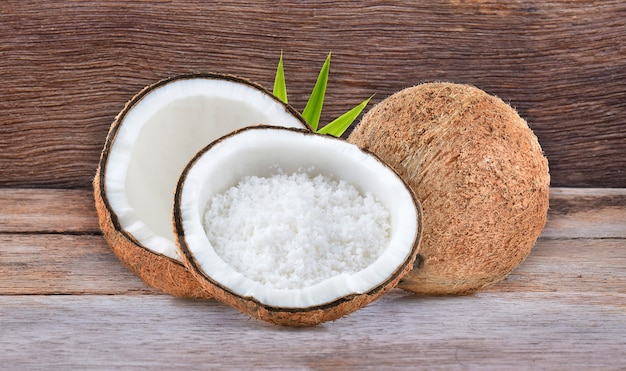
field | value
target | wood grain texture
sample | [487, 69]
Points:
[44, 264]
[570, 265]
[68, 67]
[574, 212]
[400, 331]
[67, 303]
[48, 211]
[586, 213]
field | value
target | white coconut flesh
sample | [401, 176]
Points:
[268, 154]
[161, 132]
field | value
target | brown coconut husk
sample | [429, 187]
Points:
[304, 317]
[478, 171]
[293, 317]
[296, 317]
[158, 271]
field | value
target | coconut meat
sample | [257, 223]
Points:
[260, 152]
[159, 135]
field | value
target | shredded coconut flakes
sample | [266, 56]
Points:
[291, 231]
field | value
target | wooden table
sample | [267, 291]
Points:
[66, 302]
[68, 67]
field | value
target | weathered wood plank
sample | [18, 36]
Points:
[66, 302]
[586, 213]
[574, 212]
[44, 264]
[503, 331]
[68, 67]
[570, 265]
[47, 211]
[67, 264]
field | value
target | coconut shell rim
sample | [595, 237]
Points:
[119, 119]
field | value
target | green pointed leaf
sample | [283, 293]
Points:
[313, 109]
[339, 125]
[280, 87]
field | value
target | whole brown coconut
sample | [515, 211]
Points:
[479, 173]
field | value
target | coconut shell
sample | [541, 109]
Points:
[300, 317]
[293, 317]
[478, 171]
[158, 271]
[297, 317]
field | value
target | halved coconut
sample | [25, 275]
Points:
[147, 147]
[292, 227]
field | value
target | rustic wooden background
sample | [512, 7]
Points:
[67, 68]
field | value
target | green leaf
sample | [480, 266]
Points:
[313, 109]
[280, 87]
[339, 125]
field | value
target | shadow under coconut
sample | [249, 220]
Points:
[216, 313]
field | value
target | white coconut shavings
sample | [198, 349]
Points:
[291, 231]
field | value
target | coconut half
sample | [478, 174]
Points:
[150, 141]
[262, 153]
[479, 173]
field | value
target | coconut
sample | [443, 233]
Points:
[148, 145]
[479, 173]
[292, 227]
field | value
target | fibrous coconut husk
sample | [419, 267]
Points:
[158, 271]
[478, 171]
[155, 269]
[297, 317]
[285, 316]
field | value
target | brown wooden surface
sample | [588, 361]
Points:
[67, 68]
[67, 303]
